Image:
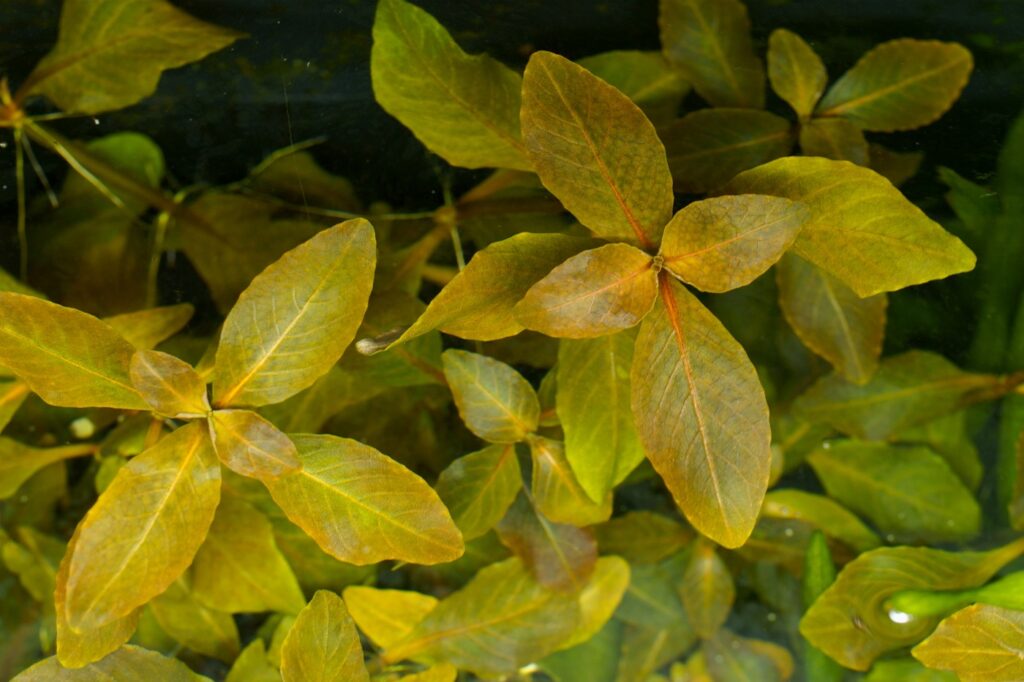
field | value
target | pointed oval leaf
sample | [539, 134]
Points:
[296, 318]
[600, 598]
[127, 664]
[323, 645]
[834, 138]
[702, 416]
[12, 395]
[862, 230]
[193, 625]
[110, 53]
[595, 151]
[253, 665]
[706, 148]
[171, 386]
[642, 537]
[980, 643]
[900, 85]
[594, 293]
[829, 516]
[795, 71]
[896, 167]
[557, 493]
[41, 342]
[706, 590]
[644, 77]
[494, 400]
[479, 487]
[363, 507]
[463, 108]
[725, 243]
[387, 616]
[18, 462]
[145, 528]
[144, 329]
[250, 445]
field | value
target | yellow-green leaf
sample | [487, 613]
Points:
[642, 537]
[862, 230]
[795, 71]
[110, 53]
[323, 645]
[144, 329]
[830, 319]
[707, 147]
[738, 659]
[41, 343]
[239, 568]
[127, 664]
[702, 416]
[595, 150]
[834, 138]
[145, 528]
[168, 384]
[250, 445]
[949, 437]
[709, 42]
[896, 167]
[296, 318]
[12, 395]
[363, 507]
[980, 643]
[557, 493]
[600, 598]
[494, 400]
[725, 243]
[594, 293]
[444, 672]
[387, 616]
[601, 443]
[463, 108]
[193, 624]
[479, 487]
[706, 590]
[900, 85]
[18, 462]
[829, 516]
[644, 77]
[253, 665]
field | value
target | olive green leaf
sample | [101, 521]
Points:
[559, 556]
[706, 590]
[980, 643]
[599, 598]
[702, 416]
[795, 71]
[709, 42]
[850, 621]
[830, 319]
[494, 400]
[908, 493]
[730, 657]
[645, 650]
[900, 85]
[18, 462]
[642, 537]
[594, 660]
[250, 445]
[500, 621]
[908, 389]
[556, 492]
[439, 673]
[127, 664]
[192, 624]
[463, 108]
[110, 53]
[292, 173]
[296, 318]
[862, 230]
[896, 167]
[906, 670]
[725, 243]
[819, 574]
[387, 616]
[323, 645]
[362, 507]
[652, 599]
[479, 487]
[949, 438]
[706, 148]
[253, 665]
[158, 508]
[595, 151]
[834, 138]
[239, 568]
[12, 395]
[644, 77]
[144, 329]
[823, 512]
[594, 293]
[601, 443]
[168, 384]
[41, 343]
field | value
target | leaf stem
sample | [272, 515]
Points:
[19, 164]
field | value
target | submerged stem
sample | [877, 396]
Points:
[19, 165]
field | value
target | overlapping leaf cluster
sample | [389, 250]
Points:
[645, 432]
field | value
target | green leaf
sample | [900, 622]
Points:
[362, 507]
[708, 147]
[795, 71]
[948, 437]
[850, 621]
[702, 416]
[834, 138]
[110, 53]
[250, 445]
[158, 509]
[822, 512]
[495, 401]
[252, 665]
[168, 384]
[323, 645]
[127, 664]
[595, 660]
[900, 85]
[645, 650]
[193, 625]
[862, 230]
[1005, 592]
[500, 621]
[734, 658]
[556, 492]
[706, 590]
[12, 395]
[642, 537]
[652, 600]
[18, 462]
[979, 644]
[41, 343]
[387, 616]
[709, 42]
[601, 442]
[830, 319]
[144, 329]
[908, 389]
[293, 174]
[906, 670]
[644, 77]
[296, 318]
[463, 108]
[479, 487]
[594, 293]
[595, 151]
[909, 493]
[239, 568]
[725, 243]
[819, 574]
[896, 167]
[600, 598]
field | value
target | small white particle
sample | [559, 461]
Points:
[900, 617]
[82, 428]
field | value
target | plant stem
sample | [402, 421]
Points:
[19, 165]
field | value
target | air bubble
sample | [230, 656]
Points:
[900, 617]
[82, 428]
